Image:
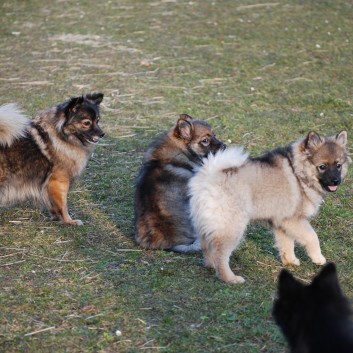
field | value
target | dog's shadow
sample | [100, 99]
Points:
[259, 243]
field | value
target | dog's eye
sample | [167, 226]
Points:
[338, 165]
[86, 123]
[205, 141]
[323, 167]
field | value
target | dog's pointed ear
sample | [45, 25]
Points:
[327, 281]
[342, 138]
[184, 127]
[95, 98]
[74, 104]
[287, 284]
[313, 141]
[185, 117]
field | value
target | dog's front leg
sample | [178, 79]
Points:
[57, 189]
[301, 231]
[285, 245]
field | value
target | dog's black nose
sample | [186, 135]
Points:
[335, 181]
[102, 134]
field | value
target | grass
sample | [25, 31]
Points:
[262, 73]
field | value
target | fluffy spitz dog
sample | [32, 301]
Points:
[284, 187]
[39, 158]
[162, 213]
[314, 318]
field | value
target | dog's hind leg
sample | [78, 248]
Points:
[217, 250]
[285, 245]
[57, 189]
[301, 231]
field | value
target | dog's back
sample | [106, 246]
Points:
[160, 195]
[21, 164]
[314, 318]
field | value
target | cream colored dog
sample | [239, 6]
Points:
[284, 187]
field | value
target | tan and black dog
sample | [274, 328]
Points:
[284, 187]
[39, 158]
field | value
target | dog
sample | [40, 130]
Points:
[39, 158]
[314, 318]
[162, 215]
[284, 187]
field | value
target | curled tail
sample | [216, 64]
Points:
[232, 157]
[208, 188]
[12, 124]
[213, 165]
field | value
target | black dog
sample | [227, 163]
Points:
[314, 318]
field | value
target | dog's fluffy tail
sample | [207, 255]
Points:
[12, 124]
[209, 192]
[213, 165]
[232, 157]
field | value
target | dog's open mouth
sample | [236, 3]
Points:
[331, 188]
[93, 140]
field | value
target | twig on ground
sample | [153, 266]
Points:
[39, 331]
[13, 254]
[60, 260]
[12, 263]
[268, 4]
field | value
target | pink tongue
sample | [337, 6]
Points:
[332, 188]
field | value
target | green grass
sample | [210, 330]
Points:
[263, 76]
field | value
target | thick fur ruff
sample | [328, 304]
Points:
[284, 187]
[39, 158]
[314, 318]
[162, 215]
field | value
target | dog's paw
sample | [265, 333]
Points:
[74, 222]
[290, 261]
[294, 262]
[319, 260]
[236, 280]
[231, 279]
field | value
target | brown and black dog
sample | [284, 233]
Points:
[162, 214]
[39, 158]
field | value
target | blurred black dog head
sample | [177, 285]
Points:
[315, 317]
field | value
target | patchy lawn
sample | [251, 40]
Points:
[262, 73]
